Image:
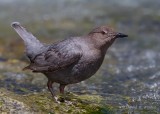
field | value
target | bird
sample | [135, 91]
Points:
[68, 61]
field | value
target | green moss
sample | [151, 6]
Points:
[101, 110]
[128, 99]
[79, 104]
[1, 103]
[76, 104]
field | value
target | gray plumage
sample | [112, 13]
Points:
[68, 61]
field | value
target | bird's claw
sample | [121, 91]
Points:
[56, 99]
[62, 100]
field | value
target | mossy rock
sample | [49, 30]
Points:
[43, 103]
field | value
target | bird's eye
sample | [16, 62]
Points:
[103, 32]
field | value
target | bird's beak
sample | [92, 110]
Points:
[121, 35]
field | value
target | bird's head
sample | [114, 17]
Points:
[103, 37]
[106, 33]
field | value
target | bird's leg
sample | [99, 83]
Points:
[61, 88]
[49, 84]
[63, 98]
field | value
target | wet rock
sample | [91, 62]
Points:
[44, 103]
[2, 59]
[11, 105]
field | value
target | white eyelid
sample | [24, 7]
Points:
[105, 31]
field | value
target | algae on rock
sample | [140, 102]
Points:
[43, 103]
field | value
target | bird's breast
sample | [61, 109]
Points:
[88, 65]
[83, 69]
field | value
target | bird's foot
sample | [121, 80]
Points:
[62, 99]
[56, 99]
[68, 102]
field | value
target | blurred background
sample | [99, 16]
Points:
[131, 67]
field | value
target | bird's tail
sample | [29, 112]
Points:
[32, 44]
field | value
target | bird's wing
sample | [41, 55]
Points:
[58, 56]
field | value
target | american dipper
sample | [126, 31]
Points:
[68, 61]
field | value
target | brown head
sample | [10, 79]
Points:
[104, 36]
